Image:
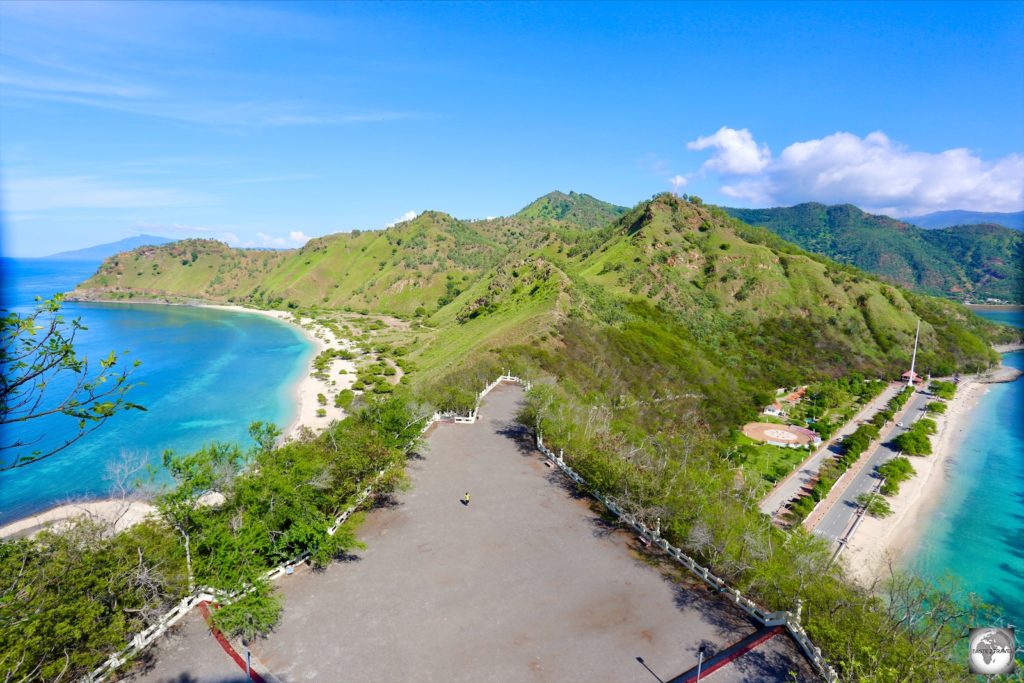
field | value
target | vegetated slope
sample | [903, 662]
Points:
[947, 219]
[579, 209]
[975, 262]
[102, 251]
[651, 340]
[679, 298]
[421, 263]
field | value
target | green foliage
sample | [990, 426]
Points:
[936, 407]
[250, 617]
[343, 399]
[577, 209]
[71, 599]
[41, 375]
[895, 472]
[944, 390]
[915, 441]
[875, 505]
[979, 260]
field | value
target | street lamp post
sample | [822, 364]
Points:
[700, 660]
[248, 667]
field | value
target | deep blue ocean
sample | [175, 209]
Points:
[976, 535]
[205, 375]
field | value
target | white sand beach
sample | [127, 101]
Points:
[309, 387]
[877, 542]
[118, 514]
[121, 514]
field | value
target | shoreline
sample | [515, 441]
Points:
[304, 390]
[117, 514]
[880, 543]
[307, 387]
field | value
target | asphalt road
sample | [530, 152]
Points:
[837, 520]
[808, 472]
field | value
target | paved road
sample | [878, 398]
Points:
[527, 583]
[837, 520]
[787, 489]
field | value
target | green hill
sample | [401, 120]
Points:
[580, 210]
[416, 264]
[651, 338]
[973, 262]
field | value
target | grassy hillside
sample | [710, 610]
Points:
[651, 338]
[578, 209]
[419, 264]
[968, 261]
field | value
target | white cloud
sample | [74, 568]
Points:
[874, 173]
[407, 216]
[270, 240]
[298, 237]
[185, 230]
[736, 152]
[677, 182]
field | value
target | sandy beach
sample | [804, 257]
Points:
[309, 387]
[878, 542]
[118, 514]
[123, 514]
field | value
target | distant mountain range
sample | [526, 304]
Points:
[975, 262]
[947, 219]
[102, 251]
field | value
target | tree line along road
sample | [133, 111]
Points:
[837, 520]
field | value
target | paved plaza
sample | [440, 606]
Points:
[526, 583]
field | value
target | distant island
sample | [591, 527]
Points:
[102, 251]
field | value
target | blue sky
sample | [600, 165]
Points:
[264, 124]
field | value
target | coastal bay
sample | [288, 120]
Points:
[205, 375]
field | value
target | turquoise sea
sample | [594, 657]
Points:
[205, 375]
[977, 533]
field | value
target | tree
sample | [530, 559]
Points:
[206, 471]
[41, 375]
[874, 504]
[251, 616]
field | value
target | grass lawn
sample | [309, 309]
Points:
[771, 462]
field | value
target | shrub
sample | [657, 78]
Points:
[874, 504]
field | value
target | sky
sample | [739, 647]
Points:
[267, 124]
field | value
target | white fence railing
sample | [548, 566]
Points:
[146, 637]
[140, 641]
[653, 536]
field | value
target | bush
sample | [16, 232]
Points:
[944, 390]
[321, 399]
[936, 407]
[321, 412]
[895, 472]
[874, 504]
[343, 399]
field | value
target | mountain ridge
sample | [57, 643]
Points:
[947, 219]
[976, 262]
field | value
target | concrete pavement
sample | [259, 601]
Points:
[527, 583]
